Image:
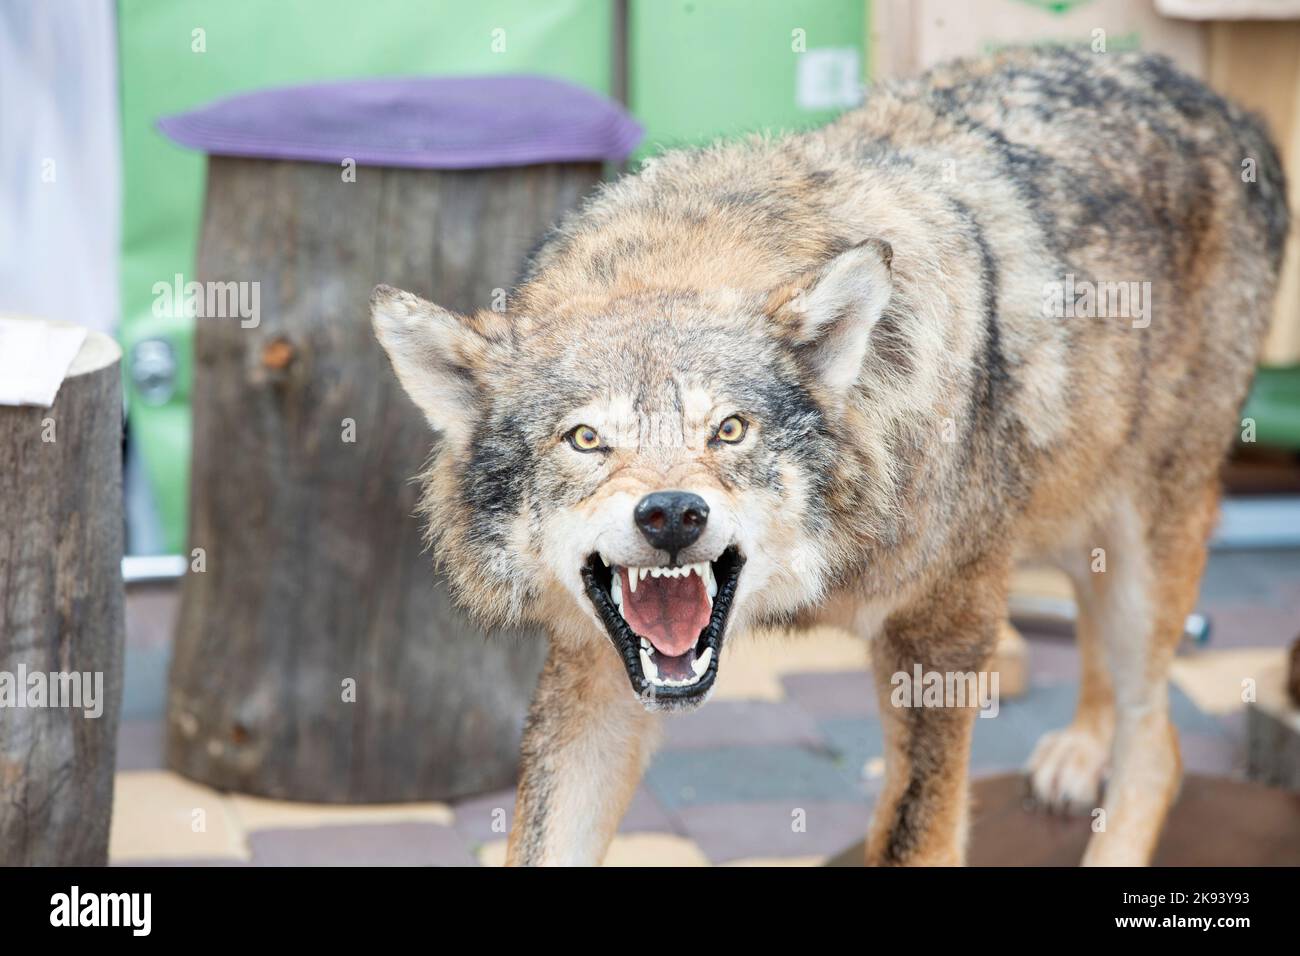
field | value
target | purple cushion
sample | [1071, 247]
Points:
[458, 122]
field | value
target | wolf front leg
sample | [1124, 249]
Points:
[586, 742]
[921, 817]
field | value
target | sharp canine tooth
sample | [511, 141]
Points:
[632, 579]
[710, 583]
[648, 667]
[616, 591]
[701, 663]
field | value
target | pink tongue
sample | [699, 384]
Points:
[670, 612]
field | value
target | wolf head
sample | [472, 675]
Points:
[648, 470]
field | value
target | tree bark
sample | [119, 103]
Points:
[315, 579]
[61, 614]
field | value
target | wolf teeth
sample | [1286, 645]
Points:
[651, 672]
[703, 569]
[648, 668]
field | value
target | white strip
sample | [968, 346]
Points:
[138, 568]
[1264, 522]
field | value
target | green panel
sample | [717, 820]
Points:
[700, 69]
[1274, 404]
[251, 44]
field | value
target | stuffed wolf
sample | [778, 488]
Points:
[1011, 308]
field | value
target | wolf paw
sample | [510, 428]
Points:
[1066, 768]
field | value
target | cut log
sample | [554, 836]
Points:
[317, 655]
[61, 615]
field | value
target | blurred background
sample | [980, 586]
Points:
[97, 206]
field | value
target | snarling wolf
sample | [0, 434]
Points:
[815, 377]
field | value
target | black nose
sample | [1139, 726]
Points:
[671, 520]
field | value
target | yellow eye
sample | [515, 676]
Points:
[732, 430]
[584, 438]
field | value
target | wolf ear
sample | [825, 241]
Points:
[828, 314]
[438, 356]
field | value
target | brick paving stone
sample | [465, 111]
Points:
[744, 774]
[740, 723]
[476, 817]
[735, 831]
[261, 813]
[647, 815]
[1251, 625]
[214, 861]
[140, 745]
[158, 814]
[825, 696]
[626, 849]
[1052, 660]
[855, 740]
[393, 844]
[1241, 577]
[1005, 742]
[1214, 754]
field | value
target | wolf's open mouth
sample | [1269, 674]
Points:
[667, 623]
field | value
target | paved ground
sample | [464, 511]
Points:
[781, 767]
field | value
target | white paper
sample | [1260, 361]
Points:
[34, 358]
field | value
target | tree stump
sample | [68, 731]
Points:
[317, 656]
[62, 625]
